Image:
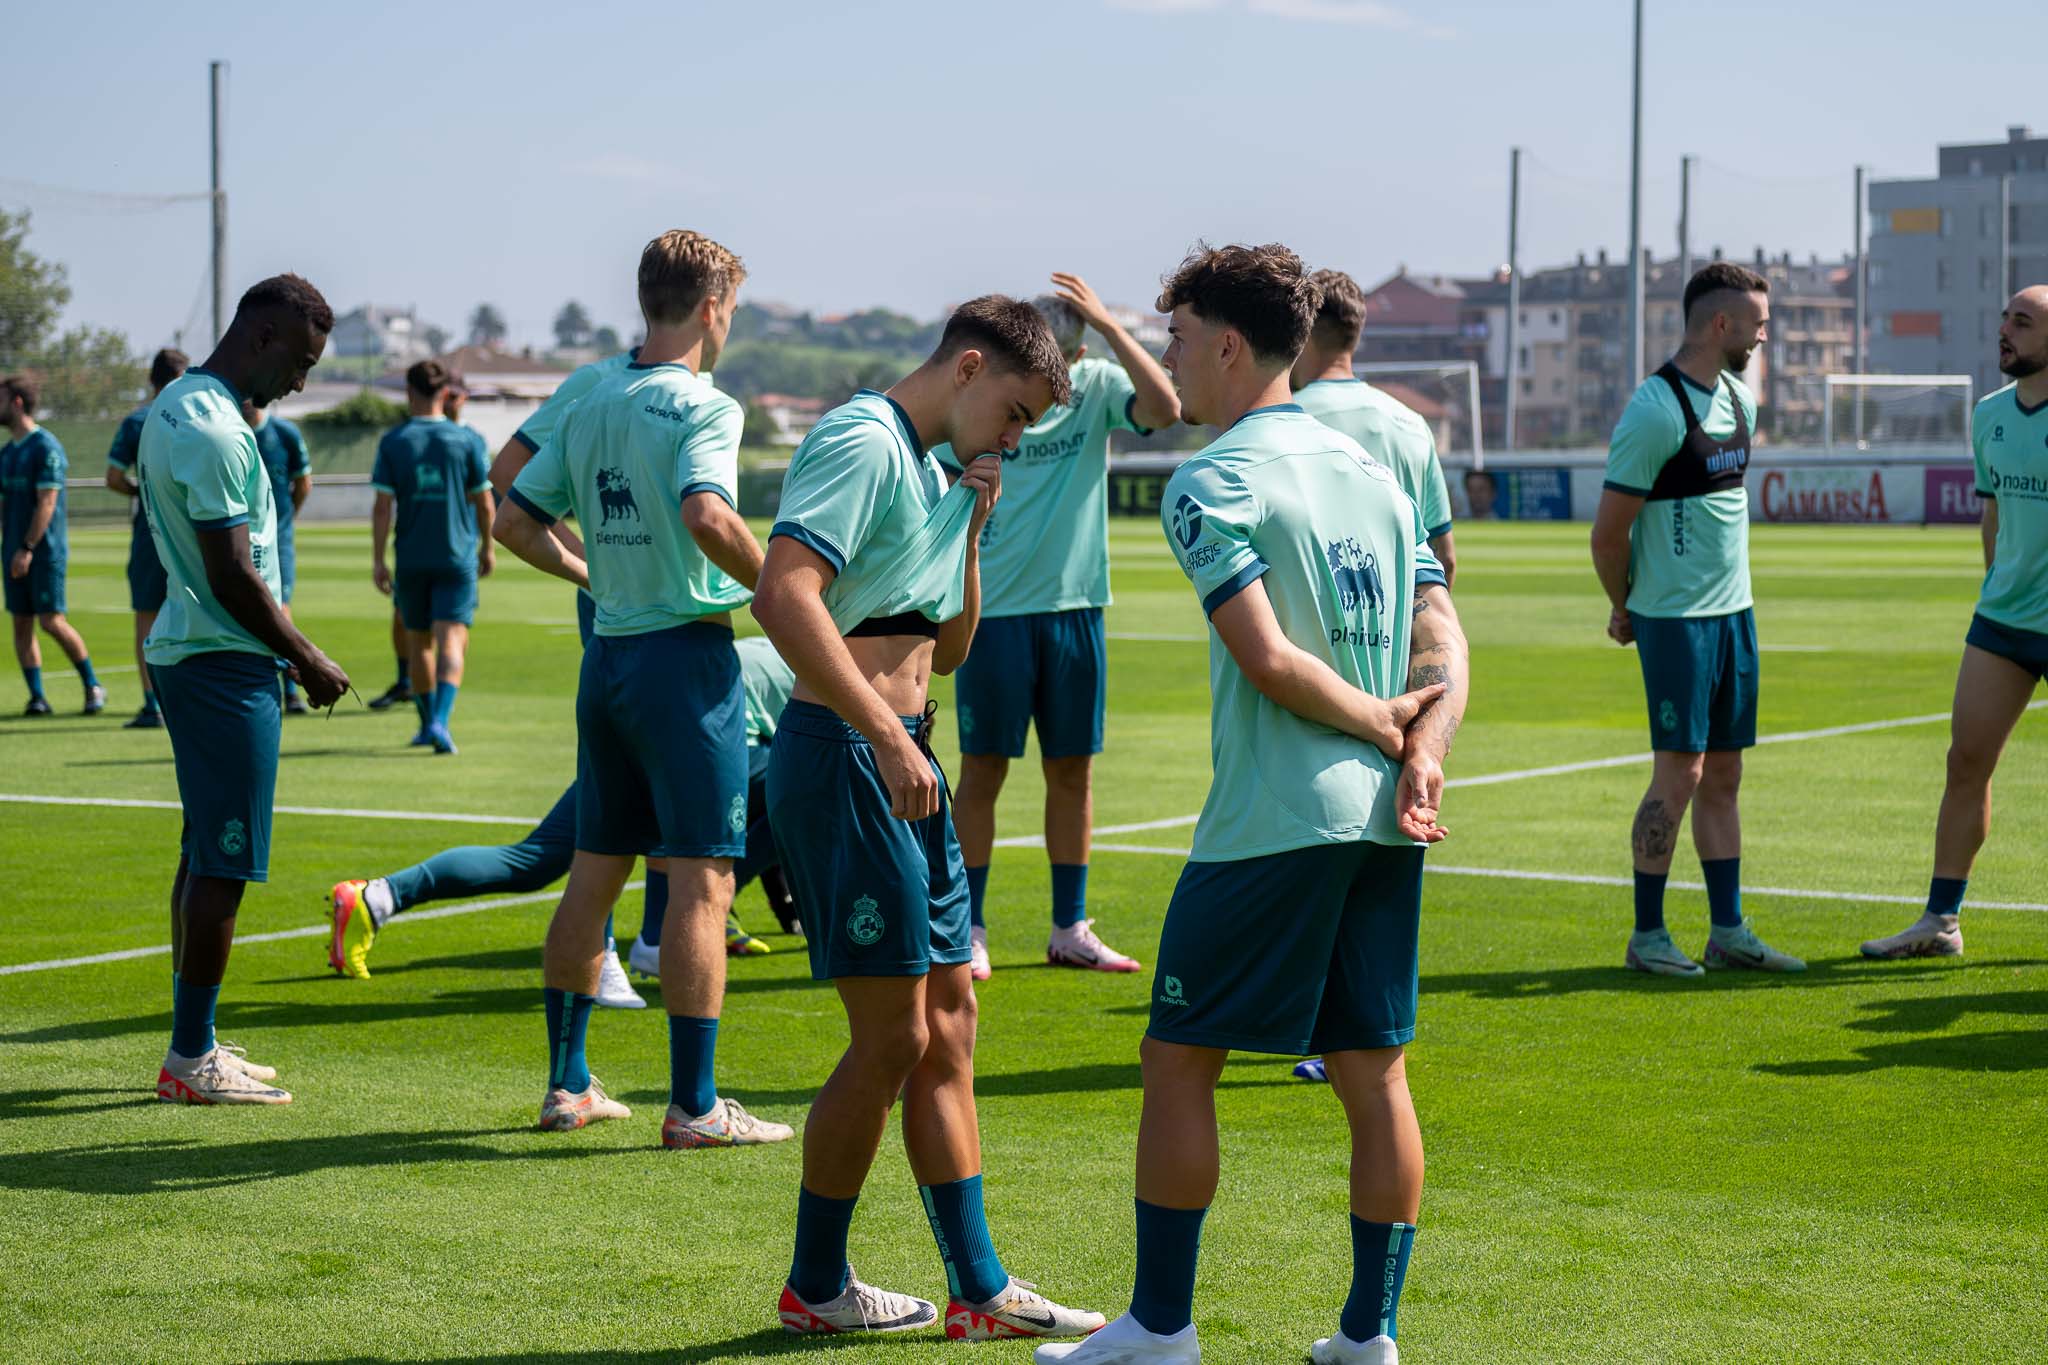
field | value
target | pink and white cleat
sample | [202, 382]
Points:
[859, 1308]
[1928, 936]
[1077, 946]
[1019, 1311]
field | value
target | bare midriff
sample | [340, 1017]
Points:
[898, 667]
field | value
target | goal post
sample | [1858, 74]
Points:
[1446, 395]
[1870, 411]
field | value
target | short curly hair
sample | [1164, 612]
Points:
[680, 269]
[1264, 292]
[1340, 320]
[1013, 335]
[293, 294]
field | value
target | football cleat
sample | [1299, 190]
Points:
[740, 943]
[1019, 1311]
[38, 706]
[1342, 1350]
[776, 888]
[215, 1078]
[348, 945]
[1312, 1069]
[859, 1308]
[1740, 947]
[644, 958]
[1077, 946]
[438, 736]
[423, 740]
[295, 705]
[564, 1111]
[237, 1055]
[1654, 952]
[978, 965]
[614, 991]
[148, 718]
[1125, 1342]
[727, 1125]
[390, 697]
[1928, 936]
[95, 699]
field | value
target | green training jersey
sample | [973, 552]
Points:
[283, 448]
[767, 681]
[200, 471]
[2011, 442]
[1688, 556]
[29, 468]
[1045, 547]
[623, 459]
[1392, 433]
[432, 467]
[535, 430]
[864, 494]
[1282, 499]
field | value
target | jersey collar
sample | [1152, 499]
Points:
[1270, 407]
[233, 392]
[902, 419]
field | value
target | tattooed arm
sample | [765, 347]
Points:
[1437, 653]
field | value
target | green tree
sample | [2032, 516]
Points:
[606, 339]
[486, 326]
[572, 325]
[88, 372]
[436, 338]
[32, 293]
[759, 428]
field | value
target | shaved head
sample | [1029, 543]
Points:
[2023, 333]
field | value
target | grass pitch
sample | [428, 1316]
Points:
[1846, 1165]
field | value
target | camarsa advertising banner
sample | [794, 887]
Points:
[1838, 493]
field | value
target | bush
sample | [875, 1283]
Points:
[365, 408]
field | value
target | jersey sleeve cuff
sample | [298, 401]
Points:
[812, 541]
[483, 487]
[1431, 578]
[532, 446]
[1624, 488]
[530, 507]
[706, 486]
[1433, 532]
[221, 523]
[1131, 418]
[385, 488]
[1236, 584]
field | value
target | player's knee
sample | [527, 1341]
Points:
[1168, 1065]
[981, 775]
[1970, 761]
[891, 1054]
[1070, 776]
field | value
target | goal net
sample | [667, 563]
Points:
[1445, 393]
[1872, 411]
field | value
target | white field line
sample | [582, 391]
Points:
[1551, 770]
[1169, 639]
[309, 931]
[1582, 879]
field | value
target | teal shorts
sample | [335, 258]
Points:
[41, 591]
[148, 584]
[223, 711]
[1308, 951]
[1700, 678]
[879, 896]
[425, 596]
[2026, 648]
[1049, 669]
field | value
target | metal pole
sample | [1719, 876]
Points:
[215, 72]
[1857, 359]
[1514, 292]
[1635, 213]
[1684, 220]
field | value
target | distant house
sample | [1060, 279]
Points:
[793, 417]
[390, 334]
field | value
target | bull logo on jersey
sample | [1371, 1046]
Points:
[864, 925]
[1187, 521]
[1356, 571]
[615, 496]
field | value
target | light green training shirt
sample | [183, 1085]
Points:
[864, 494]
[1687, 556]
[1045, 547]
[1283, 499]
[2011, 442]
[623, 458]
[1392, 433]
[200, 471]
[535, 430]
[767, 681]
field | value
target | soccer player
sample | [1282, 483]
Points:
[401, 687]
[214, 653]
[1391, 432]
[362, 908]
[872, 585]
[438, 476]
[2005, 654]
[648, 461]
[33, 546]
[1039, 656]
[1671, 547]
[1325, 607]
[283, 448]
[146, 580]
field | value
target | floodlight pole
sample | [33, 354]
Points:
[1635, 213]
[1514, 291]
[216, 72]
[1685, 219]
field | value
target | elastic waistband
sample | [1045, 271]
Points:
[689, 630]
[822, 722]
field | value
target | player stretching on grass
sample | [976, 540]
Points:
[284, 454]
[1325, 606]
[2006, 651]
[1039, 656]
[1391, 432]
[648, 461]
[214, 652]
[1671, 546]
[33, 546]
[436, 472]
[871, 586]
[145, 571]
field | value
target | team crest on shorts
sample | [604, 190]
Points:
[1667, 714]
[234, 837]
[864, 925]
[736, 815]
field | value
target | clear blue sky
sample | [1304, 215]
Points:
[914, 154]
